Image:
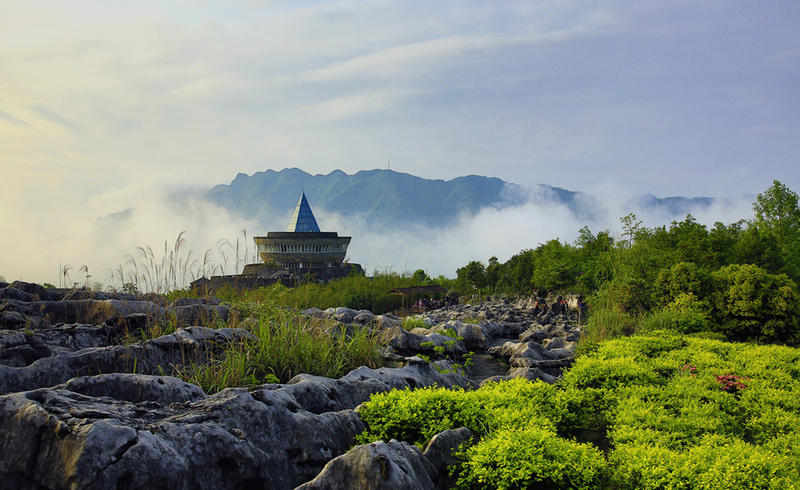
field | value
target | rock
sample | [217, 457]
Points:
[385, 322]
[364, 318]
[155, 356]
[318, 394]
[402, 341]
[35, 290]
[134, 431]
[439, 452]
[314, 312]
[16, 294]
[554, 343]
[62, 439]
[378, 465]
[345, 315]
[12, 320]
[474, 336]
[136, 388]
[197, 314]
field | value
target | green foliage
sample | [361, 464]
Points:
[607, 318]
[412, 322]
[356, 292]
[284, 345]
[678, 317]
[416, 416]
[531, 457]
[654, 403]
[472, 276]
[680, 279]
[750, 303]
[740, 279]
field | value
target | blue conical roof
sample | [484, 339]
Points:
[303, 219]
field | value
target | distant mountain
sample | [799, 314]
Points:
[389, 199]
[384, 198]
[675, 205]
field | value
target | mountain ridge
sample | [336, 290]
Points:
[386, 198]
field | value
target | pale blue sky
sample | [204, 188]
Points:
[101, 102]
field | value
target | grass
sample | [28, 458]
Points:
[284, 345]
[412, 322]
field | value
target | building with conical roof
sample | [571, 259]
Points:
[303, 245]
[299, 253]
[303, 220]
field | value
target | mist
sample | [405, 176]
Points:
[105, 231]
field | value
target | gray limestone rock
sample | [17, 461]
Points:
[136, 388]
[389, 465]
[439, 450]
[155, 356]
[133, 431]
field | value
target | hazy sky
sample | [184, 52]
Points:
[103, 102]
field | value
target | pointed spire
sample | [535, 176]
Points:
[303, 219]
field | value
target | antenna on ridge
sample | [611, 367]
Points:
[389, 164]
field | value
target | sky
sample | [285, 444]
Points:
[110, 105]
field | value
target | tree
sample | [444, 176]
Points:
[472, 274]
[778, 217]
[630, 228]
[681, 278]
[752, 304]
[420, 276]
[777, 208]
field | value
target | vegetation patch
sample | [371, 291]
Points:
[660, 410]
[283, 345]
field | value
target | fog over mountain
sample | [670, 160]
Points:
[387, 199]
[398, 222]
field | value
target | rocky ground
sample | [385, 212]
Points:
[82, 406]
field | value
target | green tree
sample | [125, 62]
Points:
[420, 276]
[777, 208]
[682, 278]
[749, 303]
[473, 275]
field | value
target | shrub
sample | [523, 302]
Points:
[416, 416]
[681, 279]
[676, 321]
[412, 322]
[751, 304]
[717, 462]
[652, 402]
[531, 457]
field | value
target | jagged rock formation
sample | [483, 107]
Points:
[83, 406]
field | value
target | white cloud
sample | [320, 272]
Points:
[687, 98]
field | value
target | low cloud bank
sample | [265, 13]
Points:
[104, 232]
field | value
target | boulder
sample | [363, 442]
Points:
[440, 452]
[134, 431]
[136, 388]
[155, 356]
[345, 315]
[389, 465]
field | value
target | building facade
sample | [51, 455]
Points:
[302, 245]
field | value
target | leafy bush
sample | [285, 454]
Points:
[412, 322]
[531, 457]
[752, 304]
[416, 416]
[690, 321]
[658, 404]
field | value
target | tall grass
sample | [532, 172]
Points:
[285, 345]
[147, 271]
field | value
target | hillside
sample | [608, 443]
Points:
[384, 198]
